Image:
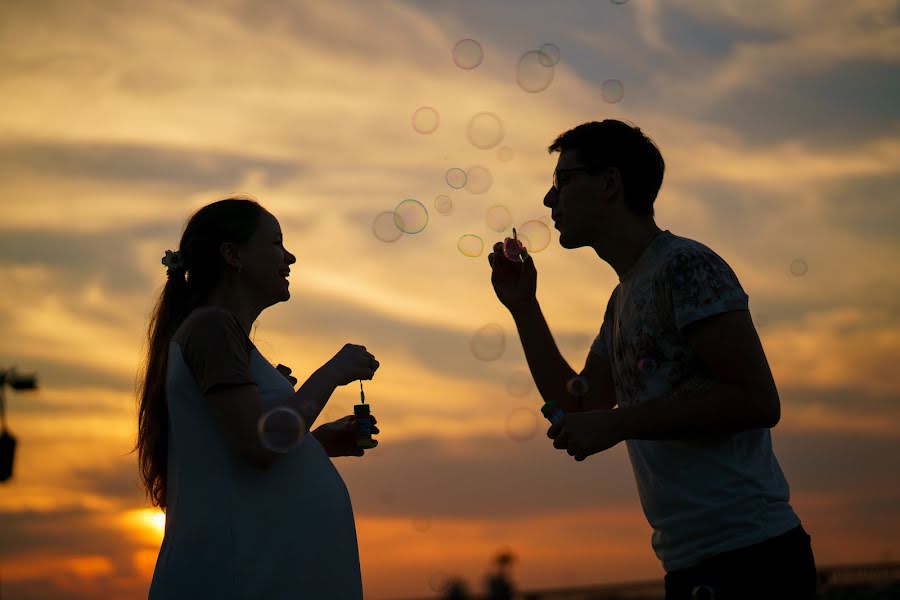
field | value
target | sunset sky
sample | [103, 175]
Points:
[779, 126]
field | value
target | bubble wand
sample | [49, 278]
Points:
[363, 422]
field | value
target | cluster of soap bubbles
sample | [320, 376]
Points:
[536, 68]
[409, 216]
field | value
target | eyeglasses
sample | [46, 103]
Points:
[559, 172]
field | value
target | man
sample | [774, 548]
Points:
[677, 372]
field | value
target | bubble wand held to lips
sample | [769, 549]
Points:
[513, 248]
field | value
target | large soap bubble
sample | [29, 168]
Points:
[410, 216]
[488, 343]
[281, 429]
[425, 120]
[485, 130]
[533, 73]
[467, 54]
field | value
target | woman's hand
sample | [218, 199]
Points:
[286, 371]
[339, 437]
[352, 362]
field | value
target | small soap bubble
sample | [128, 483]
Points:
[703, 592]
[498, 218]
[443, 204]
[280, 429]
[439, 581]
[647, 364]
[519, 384]
[618, 2]
[532, 73]
[456, 178]
[421, 524]
[535, 235]
[410, 216]
[467, 54]
[505, 154]
[612, 91]
[425, 120]
[470, 245]
[577, 386]
[799, 267]
[521, 424]
[485, 130]
[478, 180]
[551, 52]
[488, 343]
[384, 227]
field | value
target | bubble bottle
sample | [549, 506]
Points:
[552, 412]
[363, 422]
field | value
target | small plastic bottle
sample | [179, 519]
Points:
[363, 423]
[552, 412]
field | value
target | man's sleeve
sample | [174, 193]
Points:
[601, 345]
[217, 351]
[701, 284]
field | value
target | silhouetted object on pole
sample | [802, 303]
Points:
[499, 584]
[7, 440]
[457, 590]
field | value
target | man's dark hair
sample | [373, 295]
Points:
[612, 143]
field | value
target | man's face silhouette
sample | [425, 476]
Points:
[578, 200]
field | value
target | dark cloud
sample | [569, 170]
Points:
[138, 164]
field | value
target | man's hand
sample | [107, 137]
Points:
[339, 437]
[586, 433]
[515, 283]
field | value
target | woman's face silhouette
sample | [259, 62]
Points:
[266, 263]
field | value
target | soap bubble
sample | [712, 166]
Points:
[535, 235]
[498, 218]
[478, 180]
[612, 91]
[443, 204]
[470, 245]
[505, 153]
[485, 130]
[467, 54]
[421, 524]
[281, 429]
[519, 384]
[456, 178]
[410, 216]
[385, 228]
[425, 120]
[532, 73]
[577, 386]
[799, 267]
[551, 52]
[439, 581]
[521, 424]
[618, 2]
[488, 343]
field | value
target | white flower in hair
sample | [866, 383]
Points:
[173, 260]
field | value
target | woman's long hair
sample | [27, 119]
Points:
[230, 220]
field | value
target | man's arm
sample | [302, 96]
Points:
[548, 367]
[743, 397]
[719, 410]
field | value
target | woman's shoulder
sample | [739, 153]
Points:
[208, 322]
